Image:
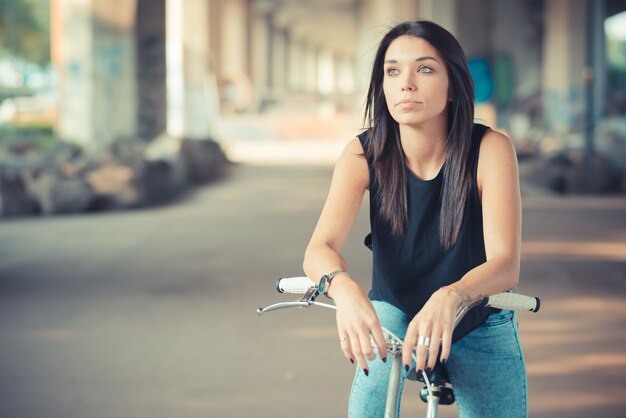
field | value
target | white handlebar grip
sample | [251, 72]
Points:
[297, 285]
[513, 301]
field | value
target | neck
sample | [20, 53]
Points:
[425, 147]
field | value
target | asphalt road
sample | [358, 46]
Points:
[151, 313]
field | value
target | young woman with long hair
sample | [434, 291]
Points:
[445, 214]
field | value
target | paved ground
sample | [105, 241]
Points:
[152, 313]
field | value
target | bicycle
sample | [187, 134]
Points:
[437, 389]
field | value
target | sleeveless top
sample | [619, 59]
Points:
[409, 268]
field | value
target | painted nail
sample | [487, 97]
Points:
[419, 371]
[367, 372]
[407, 367]
[428, 370]
[352, 361]
[384, 359]
[444, 361]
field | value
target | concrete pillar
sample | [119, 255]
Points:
[325, 72]
[346, 96]
[150, 62]
[344, 79]
[191, 88]
[564, 60]
[310, 68]
[235, 19]
[260, 57]
[475, 30]
[279, 62]
[296, 60]
[524, 45]
[597, 61]
[94, 57]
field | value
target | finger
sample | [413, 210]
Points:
[421, 350]
[366, 345]
[345, 347]
[421, 353]
[380, 341]
[446, 343]
[408, 346]
[357, 352]
[433, 350]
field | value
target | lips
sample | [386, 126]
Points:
[407, 102]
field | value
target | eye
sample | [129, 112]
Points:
[392, 71]
[425, 69]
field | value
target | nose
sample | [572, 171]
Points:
[408, 84]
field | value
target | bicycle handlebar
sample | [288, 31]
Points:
[513, 302]
[296, 285]
[305, 286]
[506, 300]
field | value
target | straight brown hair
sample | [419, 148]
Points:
[385, 150]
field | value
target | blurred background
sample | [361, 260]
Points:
[185, 148]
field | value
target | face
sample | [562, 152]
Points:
[415, 81]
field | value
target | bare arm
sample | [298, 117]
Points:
[350, 180]
[498, 183]
[356, 318]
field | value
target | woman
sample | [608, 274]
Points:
[445, 215]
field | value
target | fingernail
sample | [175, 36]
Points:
[444, 361]
[420, 371]
[384, 359]
[367, 372]
[352, 361]
[428, 370]
[407, 367]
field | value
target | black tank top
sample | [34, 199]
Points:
[408, 269]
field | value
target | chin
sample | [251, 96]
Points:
[411, 120]
[414, 119]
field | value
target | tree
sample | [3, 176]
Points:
[25, 30]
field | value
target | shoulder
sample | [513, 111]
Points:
[496, 156]
[495, 144]
[352, 165]
[364, 140]
[355, 146]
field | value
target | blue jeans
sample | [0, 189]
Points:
[486, 369]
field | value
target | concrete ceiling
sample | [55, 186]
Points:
[330, 24]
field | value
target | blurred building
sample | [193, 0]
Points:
[129, 68]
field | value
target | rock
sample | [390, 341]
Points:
[15, 199]
[59, 194]
[114, 186]
[204, 160]
[164, 173]
[127, 174]
[159, 181]
[568, 172]
[61, 153]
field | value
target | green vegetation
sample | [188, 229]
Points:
[25, 30]
[31, 138]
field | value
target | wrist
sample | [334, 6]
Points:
[342, 284]
[327, 280]
[459, 297]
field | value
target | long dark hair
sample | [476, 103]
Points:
[385, 150]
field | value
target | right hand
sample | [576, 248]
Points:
[356, 321]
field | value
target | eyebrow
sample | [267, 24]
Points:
[417, 59]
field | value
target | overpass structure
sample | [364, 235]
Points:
[137, 68]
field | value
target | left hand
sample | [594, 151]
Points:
[435, 321]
